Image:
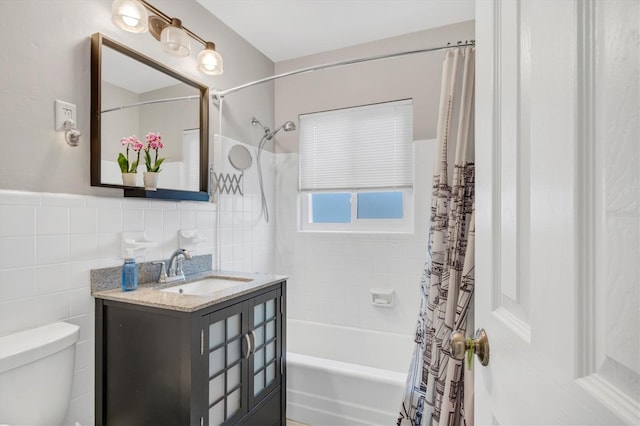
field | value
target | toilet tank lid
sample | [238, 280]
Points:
[30, 345]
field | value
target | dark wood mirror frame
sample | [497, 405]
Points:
[97, 41]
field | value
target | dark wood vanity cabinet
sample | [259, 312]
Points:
[224, 364]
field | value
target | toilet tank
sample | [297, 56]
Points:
[36, 374]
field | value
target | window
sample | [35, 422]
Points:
[330, 207]
[379, 205]
[356, 168]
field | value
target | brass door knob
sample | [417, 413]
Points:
[478, 345]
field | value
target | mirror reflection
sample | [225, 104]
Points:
[150, 120]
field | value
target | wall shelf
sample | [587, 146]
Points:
[166, 194]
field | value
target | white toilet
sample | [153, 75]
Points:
[36, 374]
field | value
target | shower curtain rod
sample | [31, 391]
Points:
[157, 101]
[218, 95]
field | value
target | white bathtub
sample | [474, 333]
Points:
[344, 376]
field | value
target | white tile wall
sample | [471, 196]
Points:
[50, 242]
[331, 273]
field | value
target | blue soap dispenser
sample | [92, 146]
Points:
[129, 272]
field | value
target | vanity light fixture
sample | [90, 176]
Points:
[133, 16]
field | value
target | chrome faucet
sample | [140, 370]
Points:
[174, 270]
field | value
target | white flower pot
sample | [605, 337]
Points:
[151, 180]
[129, 179]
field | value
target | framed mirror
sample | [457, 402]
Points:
[133, 95]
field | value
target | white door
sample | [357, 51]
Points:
[558, 211]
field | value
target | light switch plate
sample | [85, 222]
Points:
[64, 111]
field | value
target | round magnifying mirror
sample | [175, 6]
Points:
[240, 157]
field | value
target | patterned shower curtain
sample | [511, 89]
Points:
[436, 384]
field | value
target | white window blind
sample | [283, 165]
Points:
[357, 148]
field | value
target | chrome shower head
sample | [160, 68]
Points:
[287, 126]
[268, 134]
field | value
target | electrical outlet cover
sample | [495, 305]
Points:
[64, 111]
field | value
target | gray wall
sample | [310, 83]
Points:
[120, 123]
[415, 76]
[169, 119]
[48, 58]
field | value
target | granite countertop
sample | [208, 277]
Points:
[149, 294]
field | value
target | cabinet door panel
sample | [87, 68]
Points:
[164, 339]
[264, 371]
[267, 412]
[226, 364]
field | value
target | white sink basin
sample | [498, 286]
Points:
[207, 286]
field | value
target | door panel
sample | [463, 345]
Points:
[611, 365]
[557, 211]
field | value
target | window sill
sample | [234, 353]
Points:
[359, 233]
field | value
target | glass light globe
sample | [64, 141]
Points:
[210, 61]
[175, 41]
[130, 15]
